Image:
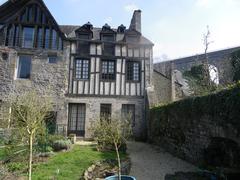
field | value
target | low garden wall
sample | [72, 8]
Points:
[203, 130]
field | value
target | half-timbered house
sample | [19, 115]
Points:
[89, 72]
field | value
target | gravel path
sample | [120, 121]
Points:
[153, 163]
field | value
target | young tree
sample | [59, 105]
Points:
[28, 114]
[205, 61]
[114, 131]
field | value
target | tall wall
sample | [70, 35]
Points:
[164, 89]
[202, 130]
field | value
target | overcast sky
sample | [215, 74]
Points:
[176, 27]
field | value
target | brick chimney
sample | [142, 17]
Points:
[136, 21]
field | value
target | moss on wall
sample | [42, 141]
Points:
[187, 126]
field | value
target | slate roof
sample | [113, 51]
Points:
[69, 31]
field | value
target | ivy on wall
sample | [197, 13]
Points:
[173, 120]
[235, 57]
[197, 81]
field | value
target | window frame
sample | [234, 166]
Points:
[75, 68]
[123, 115]
[108, 115]
[108, 74]
[132, 71]
[23, 43]
[53, 56]
[18, 71]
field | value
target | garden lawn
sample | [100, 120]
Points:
[70, 165]
[1, 154]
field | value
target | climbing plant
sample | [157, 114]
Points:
[197, 81]
[235, 58]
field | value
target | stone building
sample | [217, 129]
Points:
[89, 72]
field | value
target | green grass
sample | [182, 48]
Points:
[2, 154]
[71, 164]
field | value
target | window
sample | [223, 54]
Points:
[40, 38]
[30, 13]
[77, 116]
[133, 71]
[16, 36]
[108, 37]
[105, 111]
[52, 59]
[108, 70]
[128, 113]
[84, 36]
[82, 69]
[54, 40]
[47, 38]
[24, 67]
[28, 37]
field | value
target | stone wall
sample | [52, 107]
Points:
[162, 92]
[93, 111]
[202, 130]
[47, 79]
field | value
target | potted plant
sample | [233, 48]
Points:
[114, 131]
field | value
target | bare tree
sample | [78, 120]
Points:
[114, 131]
[28, 114]
[205, 60]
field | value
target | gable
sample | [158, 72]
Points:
[28, 12]
[29, 24]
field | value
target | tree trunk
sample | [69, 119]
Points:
[30, 157]
[119, 162]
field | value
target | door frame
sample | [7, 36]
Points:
[80, 133]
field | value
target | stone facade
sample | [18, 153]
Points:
[46, 79]
[93, 111]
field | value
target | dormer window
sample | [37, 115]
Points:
[108, 37]
[84, 36]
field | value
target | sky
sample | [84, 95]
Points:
[176, 27]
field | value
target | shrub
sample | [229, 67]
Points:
[61, 145]
[53, 138]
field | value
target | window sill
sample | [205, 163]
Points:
[76, 79]
[22, 79]
[131, 81]
[105, 80]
